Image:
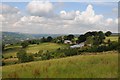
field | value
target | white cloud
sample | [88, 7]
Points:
[67, 15]
[89, 16]
[8, 9]
[40, 8]
[77, 13]
[66, 22]
[109, 21]
[115, 10]
[2, 18]
[9, 16]
[116, 21]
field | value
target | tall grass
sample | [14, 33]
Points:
[102, 65]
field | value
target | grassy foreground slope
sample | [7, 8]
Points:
[102, 65]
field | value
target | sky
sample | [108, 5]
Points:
[45, 17]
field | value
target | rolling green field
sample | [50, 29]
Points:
[102, 65]
[12, 50]
[112, 38]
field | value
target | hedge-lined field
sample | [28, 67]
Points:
[112, 38]
[12, 50]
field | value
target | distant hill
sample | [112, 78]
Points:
[45, 35]
[115, 34]
[13, 37]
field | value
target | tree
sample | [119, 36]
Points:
[96, 41]
[65, 37]
[88, 34]
[59, 39]
[70, 37]
[3, 63]
[24, 44]
[119, 44]
[108, 41]
[101, 36]
[22, 56]
[94, 33]
[3, 47]
[43, 39]
[108, 33]
[30, 58]
[89, 40]
[81, 38]
[49, 39]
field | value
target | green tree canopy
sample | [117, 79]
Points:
[49, 39]
[70, 37]
[81, 38]
[108, 33]
[22, 55]
[24, 44]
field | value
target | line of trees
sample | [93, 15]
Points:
[24, 44]
[97, 37]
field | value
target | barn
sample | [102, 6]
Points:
[78, 45]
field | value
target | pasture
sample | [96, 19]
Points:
[13, 49]
[112, 38]
[102, 65]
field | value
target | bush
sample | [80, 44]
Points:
[24, 44]
[23, 57]
[30, 58]
[119, 44]
[11, 56]
[45, 55]
[70, 52]
[113, 46]
[102, 48]
[3, 63]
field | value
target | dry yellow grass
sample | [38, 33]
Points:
[102, 65]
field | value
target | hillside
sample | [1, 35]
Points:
[13, 37]
[11, 50]
[102, 65]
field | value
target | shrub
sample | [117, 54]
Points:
[113, 46]
[102, 48]
[24, 44]
[11, 56]
[3, 63]
[70, 52]
[30, 58]
[45, 55]
[23, 57]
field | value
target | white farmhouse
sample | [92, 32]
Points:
[67, 42]
[78, 45]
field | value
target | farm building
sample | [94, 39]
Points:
[78, 45]
[67, 42]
